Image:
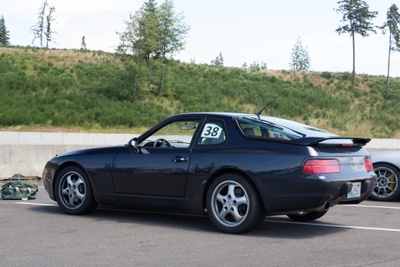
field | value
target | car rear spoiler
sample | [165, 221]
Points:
[332, 141]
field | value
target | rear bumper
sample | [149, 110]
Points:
[367, 187]
[311, 194]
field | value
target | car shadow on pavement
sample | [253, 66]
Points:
[281, 227]
[271, 227]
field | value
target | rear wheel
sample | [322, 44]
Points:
[387, 185]
[307, 216]
[73, 191]
[233, 204]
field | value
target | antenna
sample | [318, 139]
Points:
[272, 101]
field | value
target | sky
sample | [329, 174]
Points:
[262, 31]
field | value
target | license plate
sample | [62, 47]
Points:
[355, 191]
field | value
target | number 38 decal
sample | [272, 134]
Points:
[211, 131]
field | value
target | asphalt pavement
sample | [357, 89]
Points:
[37, 233]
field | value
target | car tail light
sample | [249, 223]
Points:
[321, 166]
[368, 164]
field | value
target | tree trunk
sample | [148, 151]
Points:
[388, 70]
[163, 77]
[148, 70]
[354, 57]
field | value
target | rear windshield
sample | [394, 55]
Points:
[271, 127]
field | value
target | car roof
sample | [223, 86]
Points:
[307, 130]
[222, 114]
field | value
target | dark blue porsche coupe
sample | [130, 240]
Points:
[236, 168]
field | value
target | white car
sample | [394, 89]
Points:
[387, 168]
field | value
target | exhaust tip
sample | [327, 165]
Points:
[324, 207]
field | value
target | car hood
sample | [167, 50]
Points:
[94, 151]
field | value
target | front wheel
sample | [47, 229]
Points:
[74, 193]
[233, 204]
[307, 216]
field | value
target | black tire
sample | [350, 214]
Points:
[73, 191]
[307, 216]
[387, 186]
[233, 204]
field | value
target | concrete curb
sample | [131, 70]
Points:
[26, 153]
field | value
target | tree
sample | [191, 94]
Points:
[49, 22]
[173, 31]
[257, 66]
[83, 43]
[42, 30]
[218, 61]
[141, 40]
[152, 35]
[39, 28]
[299, 59]
[4, 34]
[392, 24]
[356, 20]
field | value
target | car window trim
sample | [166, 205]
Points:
[206, 119]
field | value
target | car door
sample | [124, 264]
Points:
[160, 166]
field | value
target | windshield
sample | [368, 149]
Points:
[278, 128]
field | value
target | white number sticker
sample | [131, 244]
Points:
[276, 134]
[211, 130]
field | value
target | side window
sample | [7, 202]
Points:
[250, 129]
[213, 133]
[175, 134]
[260, 129]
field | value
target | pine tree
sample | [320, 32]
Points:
[38, 29]
[218, 61]
[356, 20]
[83, 44]
[257, 66]
[49, 22]
[4, 34]
[42, 30]
[299, 59]
[152, 35]
[392, 24]
[172, 30]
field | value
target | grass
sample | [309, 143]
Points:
[71, 90]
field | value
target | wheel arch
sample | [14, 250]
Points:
[386, 163]
[66, 165]
[223, 171]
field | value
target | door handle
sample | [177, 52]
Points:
[180, 159]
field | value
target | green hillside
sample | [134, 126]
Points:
[68, 90]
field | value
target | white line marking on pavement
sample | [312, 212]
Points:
[35, 204]
[335, 225]
[371, 206]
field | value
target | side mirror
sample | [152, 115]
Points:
[133, 145]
